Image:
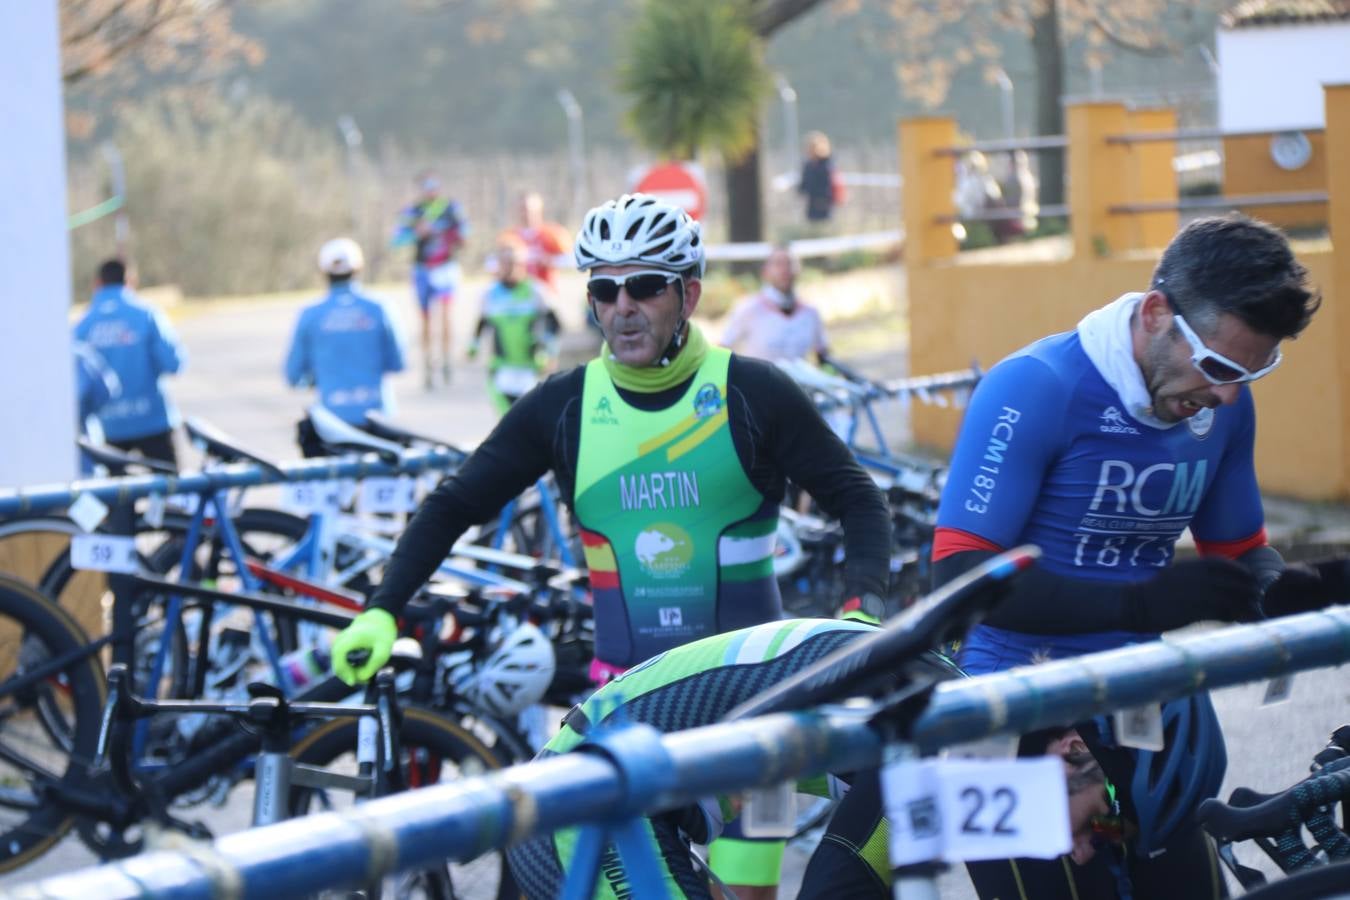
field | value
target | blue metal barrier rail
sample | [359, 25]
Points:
[645, 771]
[115, 491]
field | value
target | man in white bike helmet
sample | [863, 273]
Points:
[672, 455]
[345, 343]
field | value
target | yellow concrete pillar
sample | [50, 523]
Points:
[1098, 178]
[1152, 177]
[1337, 307]
[929, 184]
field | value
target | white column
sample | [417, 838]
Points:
[37, 396]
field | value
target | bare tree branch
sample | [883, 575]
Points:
[767, 16]
[1143, 49]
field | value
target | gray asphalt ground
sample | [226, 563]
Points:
[233, 379]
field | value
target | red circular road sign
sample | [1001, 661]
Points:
[677, 183]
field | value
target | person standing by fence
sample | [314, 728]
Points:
[819, 182]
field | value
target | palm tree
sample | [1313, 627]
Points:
[695, 72]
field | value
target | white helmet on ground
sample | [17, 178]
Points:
[341, 256]
[515, 675]
[639, 229]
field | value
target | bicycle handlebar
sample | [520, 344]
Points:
[1249, 815]
[943, 615]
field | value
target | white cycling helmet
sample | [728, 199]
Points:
[515, 675]
[639, 229]
[341, 256]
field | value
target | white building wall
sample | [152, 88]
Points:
[1271, 77]
[37, 405]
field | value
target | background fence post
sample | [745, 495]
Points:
[1152, 178]
[929, 182]
[1337, 98]
[1097, 178]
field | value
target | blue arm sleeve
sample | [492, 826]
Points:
[1231, 509]
[168, 354]
[95, 383]
[298, 363]
[1008, 439]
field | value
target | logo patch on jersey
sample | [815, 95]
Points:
[1113, 422]
[1201, 423]
[708, 401]
[603, 414]
[664, 550]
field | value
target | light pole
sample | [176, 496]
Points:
[351, 137]
[576, 149]
[791, 134]
[1005, 86]
[117, 174]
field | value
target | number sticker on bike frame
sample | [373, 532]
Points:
[1140, 727]
[961, 810]
[388, 495]
[770, 812]
[104, 553]
[311, 497]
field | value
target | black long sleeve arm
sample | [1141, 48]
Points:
[512, 458]
[803, 448]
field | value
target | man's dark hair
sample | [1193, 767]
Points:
[112, 271]
[1238, 265]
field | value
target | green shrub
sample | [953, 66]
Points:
[229, 198]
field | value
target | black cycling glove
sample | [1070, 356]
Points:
[1194, 590]
[1304, 587]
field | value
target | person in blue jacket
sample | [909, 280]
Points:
[140, 347]
[345, 344]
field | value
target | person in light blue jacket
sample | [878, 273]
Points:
[345, 344]
[140, 347]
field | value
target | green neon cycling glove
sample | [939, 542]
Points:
[372, 633]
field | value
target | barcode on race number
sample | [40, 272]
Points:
[963, 810]
[1140, 727]
[104, 553]
[770, 812]
[388, 495]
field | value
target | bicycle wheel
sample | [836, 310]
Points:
[435, 750]
[33, 632]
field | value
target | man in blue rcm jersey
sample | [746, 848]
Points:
[1101, 446]
[345, 344]
[138, 344]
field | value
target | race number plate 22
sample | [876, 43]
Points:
[960, 810]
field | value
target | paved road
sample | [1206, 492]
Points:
[233, 379]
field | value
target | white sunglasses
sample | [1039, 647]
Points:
[1217, 368]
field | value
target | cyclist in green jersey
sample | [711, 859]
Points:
[518, 326]
[673, 456]
[698, 684]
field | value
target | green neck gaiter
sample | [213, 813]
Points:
[651, 379]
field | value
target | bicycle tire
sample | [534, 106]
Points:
[429, 741]
[34, 630]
